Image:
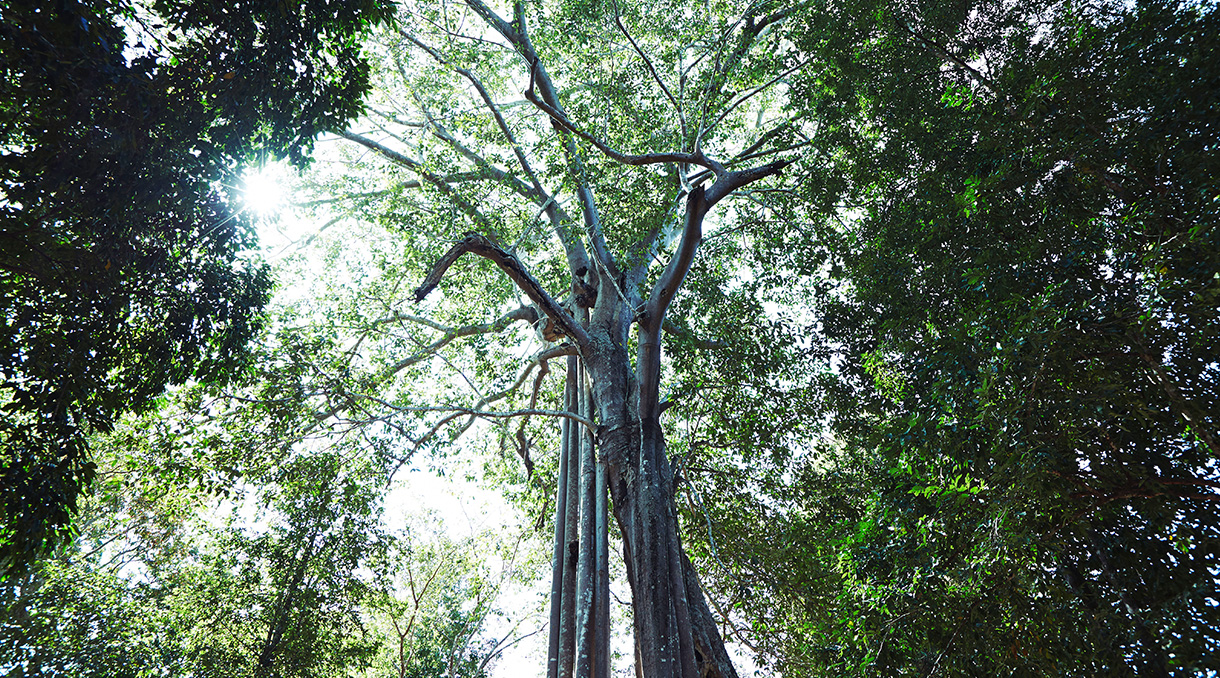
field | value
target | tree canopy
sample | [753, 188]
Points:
[124, 129]
[878, 339]
[1020, 290]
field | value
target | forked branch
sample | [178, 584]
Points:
[563, 122]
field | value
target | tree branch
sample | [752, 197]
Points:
[732, 181]
[519, 38]
[562, 121]
[476, 411]
[525, 313]
[508, 262]
[723, 67]
[972, 72]
[651, 69]
[731, 107]
[577, 258]
[673, 275]
[410, 163]
[553, 209]
[523, 448]
[468, 411]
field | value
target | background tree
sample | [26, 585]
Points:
[433, 619]
[1021, 268]
[125, 128]
[193, 560]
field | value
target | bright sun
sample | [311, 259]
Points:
[263, 190]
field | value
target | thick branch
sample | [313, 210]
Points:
[508, 262]
[502, 27]
[732, 181]
[671, 279]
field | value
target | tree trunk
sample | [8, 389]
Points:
[675, 633]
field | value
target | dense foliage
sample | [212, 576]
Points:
[124, 130]
[939, 400]
[1021, 286]
[295, 575]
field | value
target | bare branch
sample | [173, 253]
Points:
[501, 646]
[395, 119]
[734, 180]
[764, 138]
[525, 313]
[772, 151]
[458, 411]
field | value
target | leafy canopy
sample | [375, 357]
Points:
[124, 127]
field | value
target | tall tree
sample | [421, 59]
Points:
[198, 557]
[586, 204]
[124, 130]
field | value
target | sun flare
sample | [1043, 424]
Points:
[263, 190]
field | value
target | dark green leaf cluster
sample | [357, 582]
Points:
[155, 586]
[123, 265]
[1023, 268]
